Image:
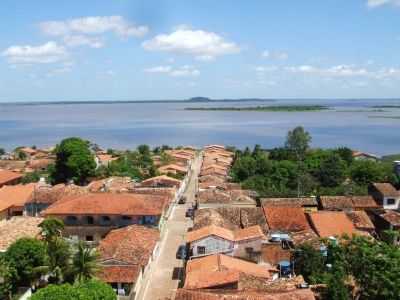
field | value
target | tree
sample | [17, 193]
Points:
[336, 286]
[74, 161]
[6, 275]
[298, 140]
[84, 263]
[58, 249]
[29, 259]
[2, 151]
[31, 177]
[144, 149]
[346, 154]
[309, 262]
[364, 172]
[90, 290]
[332, 171]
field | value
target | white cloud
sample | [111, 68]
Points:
[93, 25]
[378, 3]
[184, 71]
[279, 55]
[335, 71]
[159, 69]
[203, 45]
[49, 52]
[82, 40]
[262, 69]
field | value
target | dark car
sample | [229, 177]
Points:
[190, 213]
[182, 200]
[182, 252]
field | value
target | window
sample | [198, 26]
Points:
[89, 238]
[390, 201]
[249, 250]
[105, 220]
[201, 250]
[71, 220]
[89, 220]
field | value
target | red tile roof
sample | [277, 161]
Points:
[109, 204]
[386, 189]
[286, 218]
[300, 294]
[132, 244]
[116, 274]
[332, 223]
[347, 202]
[15, 195]
[217, 270]
[253, 232]
[8, 176]
[361, 220]
[161, 180]
[173, 168]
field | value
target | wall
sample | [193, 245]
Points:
[212, 244]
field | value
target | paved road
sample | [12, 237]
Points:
[165, 272]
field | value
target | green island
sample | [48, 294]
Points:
[385, 117]
[386, 106]
[277, 108]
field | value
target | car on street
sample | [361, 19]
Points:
[182, 252]
[182, 200]
[190, 212]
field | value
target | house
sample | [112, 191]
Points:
[104, 159]
[358, 155]
[361, 221]
[274, 253]
[18, 227]
[223, 272]
[45, 195]
[230, 217]
[385, 195]
[244, 243]
[90, 217]
[286, 218]
[212, 179]
[297, 294]
[213, 198]
[385, 220]
[125, 255]
[213, 172]
[13, 199]
[161, 181]
[114, 184]
[40, 164]
[9, 178]
[173, 169]
[309, 204]
[27, 152]
[331, 224]
[347, 202]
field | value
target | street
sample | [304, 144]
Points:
[164, 275]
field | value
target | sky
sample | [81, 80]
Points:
[176, 49]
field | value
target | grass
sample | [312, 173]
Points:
[281, 108]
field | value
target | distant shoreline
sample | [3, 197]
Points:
[280, 108]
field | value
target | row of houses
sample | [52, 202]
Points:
[120, 217]
[244, 249]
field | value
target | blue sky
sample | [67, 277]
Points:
[176, 49]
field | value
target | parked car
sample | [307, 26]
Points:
[182, 200]
[190, 212]
[182, 252]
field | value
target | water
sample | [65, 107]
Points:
[125, 126]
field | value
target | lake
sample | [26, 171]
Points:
[351, 123]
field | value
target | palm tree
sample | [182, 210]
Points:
[85, 263]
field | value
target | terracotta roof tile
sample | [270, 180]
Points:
[331, 223]
[161, 180]
[216, 270]
[361, 220]
[16, 228]
[172, 167]
[248, 233]
[119, 274]
[132, 244]
[109, 204]
[8, 176]
[286, 218]
[386, 189]
[48, 194]
[304, 201]
[347, 202]
[15, 195]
